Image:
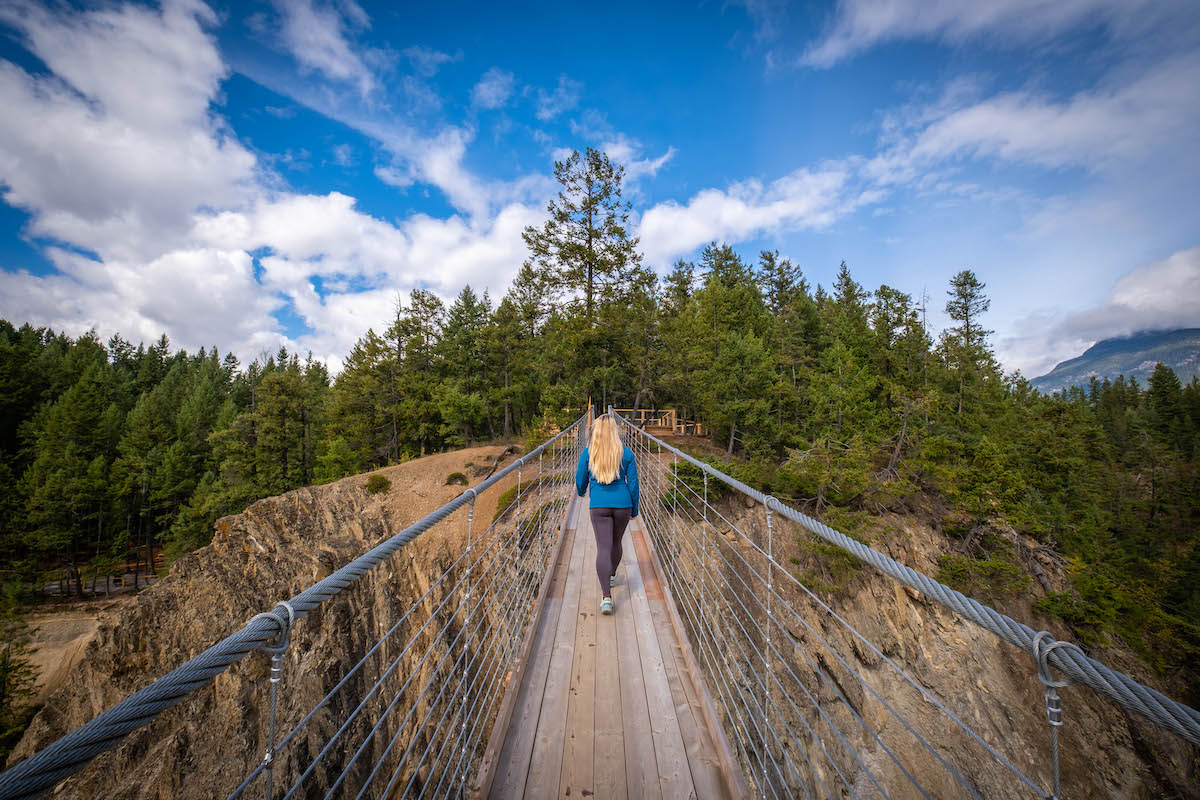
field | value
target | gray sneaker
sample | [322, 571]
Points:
[606, 606]
[612, 580]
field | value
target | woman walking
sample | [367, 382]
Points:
[607, 469]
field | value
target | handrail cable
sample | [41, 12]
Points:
[1157, 707]
[900, 671]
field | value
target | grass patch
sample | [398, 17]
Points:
[377, 483]
[456, 479]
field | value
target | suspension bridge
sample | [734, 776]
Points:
[720, 675]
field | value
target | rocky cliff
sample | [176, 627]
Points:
[205, 745]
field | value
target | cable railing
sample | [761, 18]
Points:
[411, 716]
[813, 706]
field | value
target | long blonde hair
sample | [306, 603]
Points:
[605, 450]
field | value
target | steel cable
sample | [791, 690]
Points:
[1155, 706]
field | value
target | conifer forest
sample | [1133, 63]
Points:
[839, 399]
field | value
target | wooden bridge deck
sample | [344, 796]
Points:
[607, 706]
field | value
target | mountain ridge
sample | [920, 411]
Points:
[1133, 356]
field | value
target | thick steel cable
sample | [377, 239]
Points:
[869, 644]
[966, 728]
[656, 513]
[413, 641]
[495, 576]
[747, 637]
[72, 752]
[1154, 705]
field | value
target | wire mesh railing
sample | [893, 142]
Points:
[813, 706]
[411, 715]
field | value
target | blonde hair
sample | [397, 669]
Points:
[605, 450]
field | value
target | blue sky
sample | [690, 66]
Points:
[247, 175]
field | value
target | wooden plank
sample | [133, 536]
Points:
[675, 775]
[609, 763]
[735, 780]
[698, 745]
[529, 651]
[641, 766]
[545, 765]
[514, 742]
[579, 737]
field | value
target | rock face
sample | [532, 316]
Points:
[988, 684]
[203, 747]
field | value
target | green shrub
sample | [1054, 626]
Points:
[456, 478]
[509, 497]
[377, 483]
[977, 577]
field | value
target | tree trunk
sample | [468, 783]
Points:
[732, 429]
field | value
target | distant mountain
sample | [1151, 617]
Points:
[1133, 357]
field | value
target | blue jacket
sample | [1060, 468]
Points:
[621, 493]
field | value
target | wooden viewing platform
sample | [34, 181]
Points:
[662, 422]
[607, 706]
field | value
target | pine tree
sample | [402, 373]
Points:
[584, 246]
[965, 344]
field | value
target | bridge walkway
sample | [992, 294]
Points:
[607, 706]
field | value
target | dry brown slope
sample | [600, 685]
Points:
[271, 551]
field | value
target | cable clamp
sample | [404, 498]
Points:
[285, 624]
[1044, 643]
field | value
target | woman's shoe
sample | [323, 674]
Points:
[612, 580]
[606, 606]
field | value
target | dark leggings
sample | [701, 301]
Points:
[609, 525]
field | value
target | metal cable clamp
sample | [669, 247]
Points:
[1044, 643]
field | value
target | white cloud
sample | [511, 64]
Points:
[1128, 119]
[116, 148]
[563, 97]
[493, 90]
[326, 236]
[593, 126]
[427, 61]
[859, 25]
[343, 155]
[625, 151]
[199, 297]
[317, 37]
[800, 200]
[1159, 296]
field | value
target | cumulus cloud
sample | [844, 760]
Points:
[362, 260]
[625, 151]
[801, 200]
[317, 36]
[493, 90]
[1163, 295]
[200, 297]
[858, 25]
[114, 150]
[563, 97]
